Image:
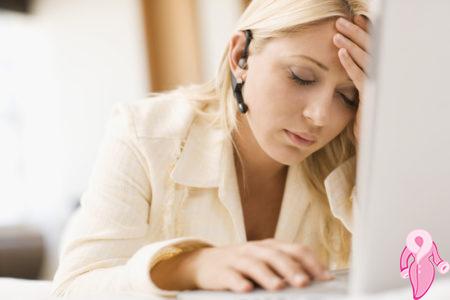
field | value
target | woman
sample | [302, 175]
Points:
[245, 180]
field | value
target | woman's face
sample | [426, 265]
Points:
[297, 84]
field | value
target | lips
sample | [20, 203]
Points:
[305, 136]
[300, 139]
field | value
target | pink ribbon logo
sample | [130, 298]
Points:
[420, 271]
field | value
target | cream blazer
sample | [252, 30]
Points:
[163, 183]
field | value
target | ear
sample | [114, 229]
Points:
[236, 49]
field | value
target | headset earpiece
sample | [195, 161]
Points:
[237, 91]
[242, 63]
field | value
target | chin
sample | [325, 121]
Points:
[289, 156]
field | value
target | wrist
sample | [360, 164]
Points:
[176, 273]
[190, 264]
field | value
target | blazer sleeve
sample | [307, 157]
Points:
[105, 248]
[341, 191]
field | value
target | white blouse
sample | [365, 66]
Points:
[164, 182]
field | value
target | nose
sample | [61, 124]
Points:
[317, 109]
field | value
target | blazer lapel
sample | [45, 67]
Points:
[296, 200]
[206, 161]
[229, 192]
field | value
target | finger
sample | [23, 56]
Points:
[354, 33]
[353, 70]
[360, 56]
[307, 259]
[363, 22]
[235, 282]
[259, 272]
[285, 265]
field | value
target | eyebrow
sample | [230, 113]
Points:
[322, 66]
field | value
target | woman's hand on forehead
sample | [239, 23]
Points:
[353, 42]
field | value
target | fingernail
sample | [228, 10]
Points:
[299, 279]
[245, 287]
[276, 282]
[339, 37]
[327, 275]
[342, 21]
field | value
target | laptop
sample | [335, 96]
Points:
[403, 171]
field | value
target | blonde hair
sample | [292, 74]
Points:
[214, 100]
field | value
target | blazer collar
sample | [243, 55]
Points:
[207, 161]
[200, 160]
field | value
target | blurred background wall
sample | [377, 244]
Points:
[62, 67]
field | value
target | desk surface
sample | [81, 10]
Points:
[335, 289]
[39, 290]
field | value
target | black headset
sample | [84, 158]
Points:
[237, 87]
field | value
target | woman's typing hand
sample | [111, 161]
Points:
[268, 263]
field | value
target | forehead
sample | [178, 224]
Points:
[315, 41]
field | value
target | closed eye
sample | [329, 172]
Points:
[300, 80]
[350, 102]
